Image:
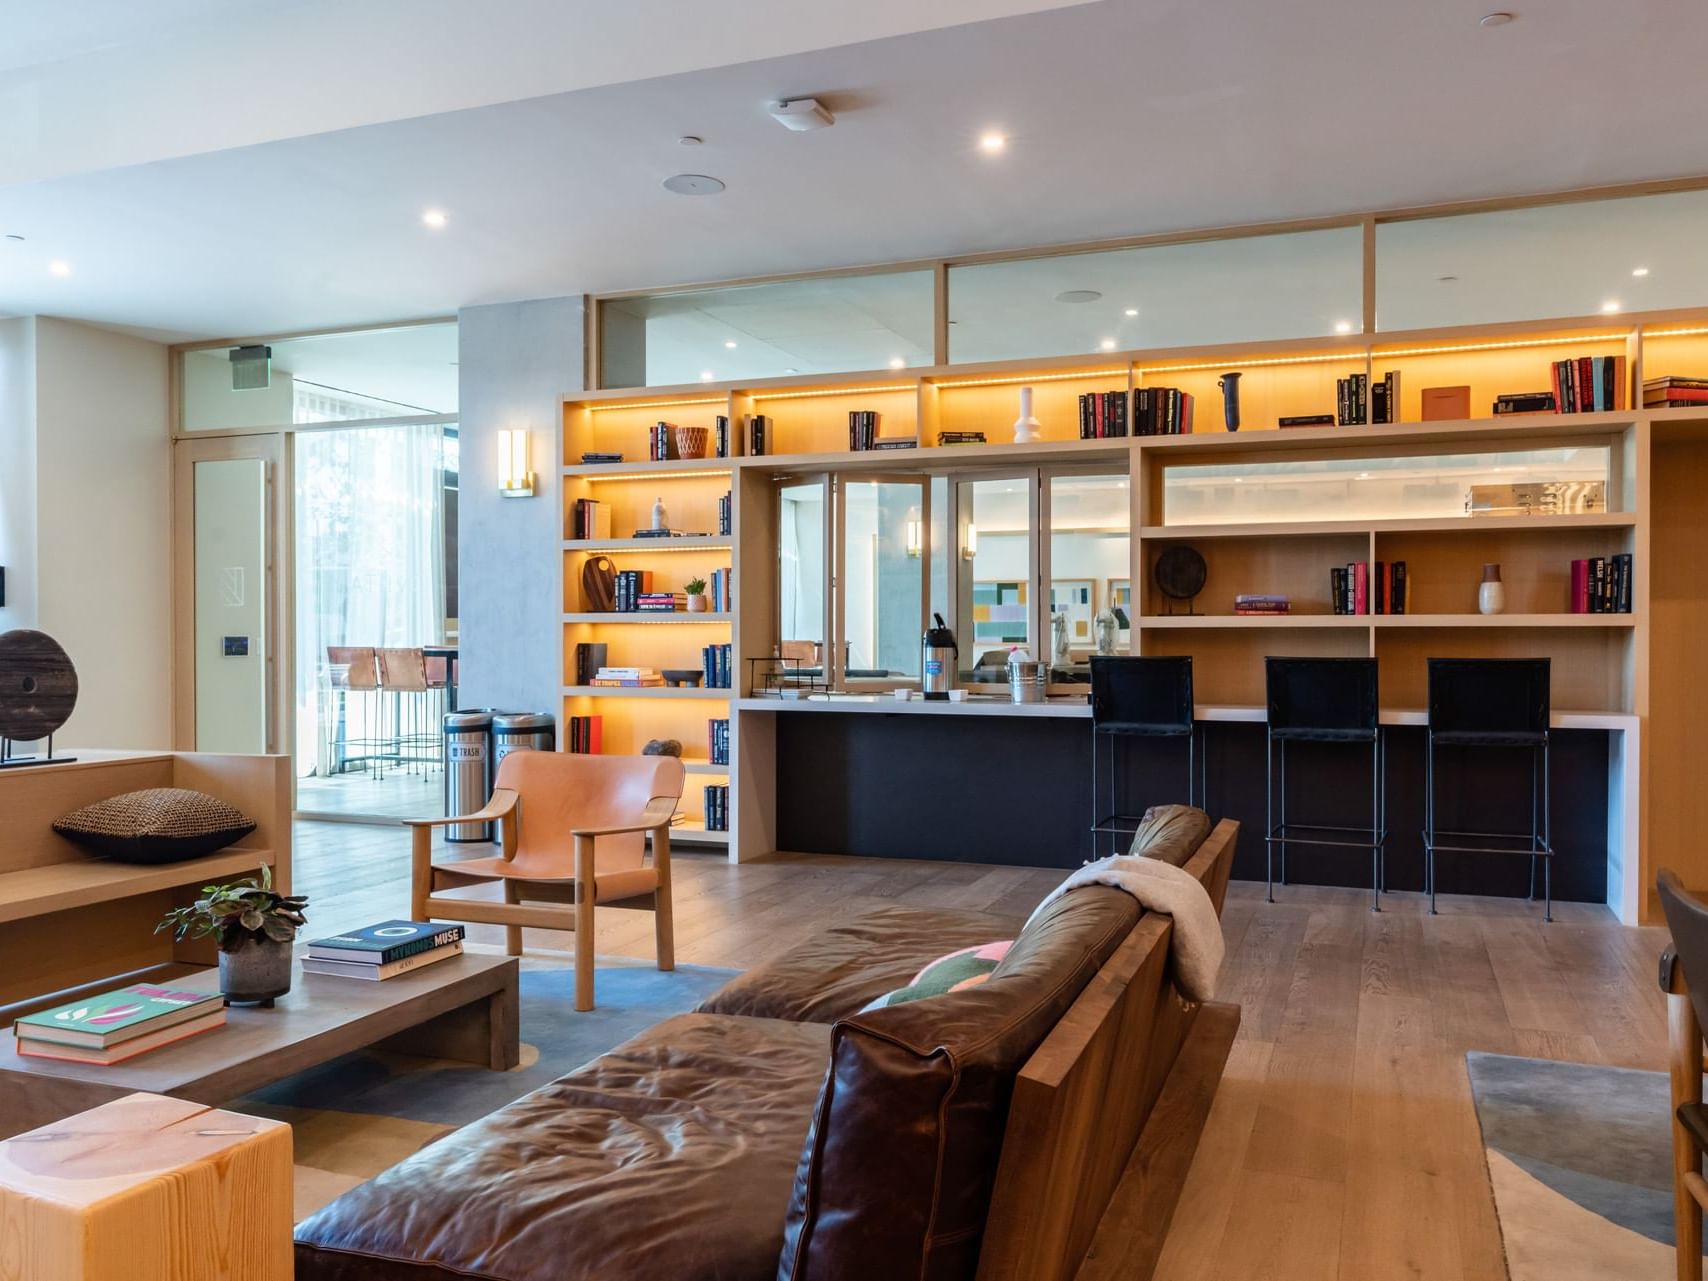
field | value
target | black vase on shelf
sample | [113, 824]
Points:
[1229, 383]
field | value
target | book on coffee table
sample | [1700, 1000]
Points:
[389, 970]
[118, 1025]
[384, 943]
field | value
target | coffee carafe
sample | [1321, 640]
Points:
[938, 660]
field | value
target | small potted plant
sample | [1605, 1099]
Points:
[696, 589]
[255, 926]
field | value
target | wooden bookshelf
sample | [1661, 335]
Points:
[1637, 665]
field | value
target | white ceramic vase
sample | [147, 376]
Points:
[1491, 593]
[1027, 429]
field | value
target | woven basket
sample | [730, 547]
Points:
[691, 442]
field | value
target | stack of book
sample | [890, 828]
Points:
[1355, 589]
[1260, 604]
[1162, 411]
[862, 429]
[1602, 585]
[717, 807]
[585, 735]
[726, 513]
[601, 456]
[385, 950]
[1525, 402]
[1358, 401]
[120, 1025]
[960, 438]
[1675, 393]
[715, 662]
[1585, 384]
[660, 602]
[631, 585]
[589, 518]
[883, 443]
[758, 434]
[721, 590]
[717, 740]
[1102, 413]
[661, 441]
[626, 677]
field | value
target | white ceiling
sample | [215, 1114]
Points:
[1125, 118]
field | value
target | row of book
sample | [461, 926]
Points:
[1355, 589]
[589, 518]
[1102, 414]
[1258, 605]
[717, 807]
[1674, 393]
[720, 590]
[1358, 401]
[726, 514]
[717, 662]
[616, 677]
[717, 740]
[631, 585]
[1585, 384]
[661, 442]
[1602, 584]
[584, 735]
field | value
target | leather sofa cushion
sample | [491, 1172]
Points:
[1171, 833]
[841, 970]
[671, 1156]
[896, 1177]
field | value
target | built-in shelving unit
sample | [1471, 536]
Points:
[1653, 463]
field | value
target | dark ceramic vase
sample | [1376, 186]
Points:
[1229, 383]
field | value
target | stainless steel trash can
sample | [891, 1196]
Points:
[468, 771]
[521, 731]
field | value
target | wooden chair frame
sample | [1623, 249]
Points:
[1684, 1067]
[545, 905]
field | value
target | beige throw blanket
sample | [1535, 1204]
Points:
[1196, 945]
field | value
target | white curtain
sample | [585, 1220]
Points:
[370, 553]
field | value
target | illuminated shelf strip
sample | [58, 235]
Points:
[1676, 333]
[598, 408]
[625, 549]
[1325, 359]
[1510, 344]
[830, 391]
[649, 475]
[1008, 380]
[647, 618]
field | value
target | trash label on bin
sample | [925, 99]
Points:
[468, 751]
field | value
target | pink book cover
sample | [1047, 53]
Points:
[1361, 588]
[1580, 587]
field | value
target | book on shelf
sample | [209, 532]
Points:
[1525, 402]
[589, 658]
[895, 442]
[590, 518]
[716, 665]
[626, 678]
[385, 942]
[119, 1018]
[720, 589]
[720, 440]
[1588, 384]
[758, 431]
[660, 602]
[1601, 584]
[1362, 588]
[584, 735]
[1161, 411]
[1306, 420]
[716, 802]
[661, 442]
[1103, 414]
[378, 973]
[717, 740]
[1674, 393]
[862, 429]
[726, 514]
[1444, 404]
[960, 438]
[631, 585]
[601, 456]
[1358, 402]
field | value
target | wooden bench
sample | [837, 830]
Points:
[71, 923]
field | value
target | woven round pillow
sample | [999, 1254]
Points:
[156, 825]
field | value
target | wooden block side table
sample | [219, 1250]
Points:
[147, 1188]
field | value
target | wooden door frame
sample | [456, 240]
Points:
[275, 450]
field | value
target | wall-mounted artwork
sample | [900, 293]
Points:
[1120, 598]
[999, 613]
[1077, 598]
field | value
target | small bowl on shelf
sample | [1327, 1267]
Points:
[691, 442]
[680, 676]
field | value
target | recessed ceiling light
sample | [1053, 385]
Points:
[896, 362]
[730, 343]
[59, 267]
[1343, 326]
[435, 218]
[1131, 311]
[993, 143]
[693, 184]
[1363, 475]
[1610, 306]
[1494, 19]
[1108, 344]
[705, 375]
[689, 140]
[1078, 295]
[1635, 271]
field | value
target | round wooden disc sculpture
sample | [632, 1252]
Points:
[1180, 573]
[38, 685]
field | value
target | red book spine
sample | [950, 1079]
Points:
[1580, 587]
[1361, 588]
[1559, 389]
[1586, 380]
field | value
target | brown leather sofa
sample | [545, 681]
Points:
[774, 1134]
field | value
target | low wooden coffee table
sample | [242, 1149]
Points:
[464, 1008]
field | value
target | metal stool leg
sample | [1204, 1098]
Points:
[1429, 820]
[1547, 845]
[1283, 811]
[1269, 816]
[1376, 823]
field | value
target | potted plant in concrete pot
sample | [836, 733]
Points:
[255, 926]
[696, 589]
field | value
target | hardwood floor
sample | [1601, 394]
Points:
[1342, 1146]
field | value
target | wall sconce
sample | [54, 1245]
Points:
[915, 534]
[970, 542]
[515, 479]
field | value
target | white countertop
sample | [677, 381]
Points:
[1077, 706]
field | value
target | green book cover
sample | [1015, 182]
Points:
[99, 1019]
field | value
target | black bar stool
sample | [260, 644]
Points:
[1136, 698]
[1324, 700]
[1498, 703]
